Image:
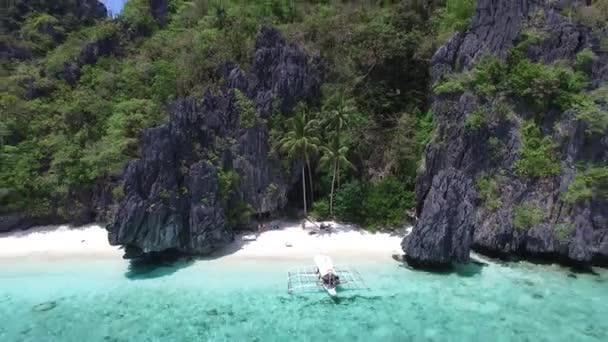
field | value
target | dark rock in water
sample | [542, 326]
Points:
[173, 199]
[572, 275]
[46, 306]
[537, 296]
[443, 233]
[575, 234]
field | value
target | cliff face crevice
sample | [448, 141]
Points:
[176, 196]
[573, 233]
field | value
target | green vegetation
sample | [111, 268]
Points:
[56, 138]
[476, 120]
[562, 231]
[488, 190]
[362, 142]
[247, 110]
[386, 204]
[239, 214]
[594, 117]
[334, 157]
[584, 61]
[41, 42]
[349, 202]
[454, 84]
[544, 86]
[527, 216]
[594, 15]
[455, 16]
[301, 143]
[228, 182]
[588, 184]
[488, 77]
[540, 85]
[538, 155]
[320, 210]
[375, 205]
[496, 148]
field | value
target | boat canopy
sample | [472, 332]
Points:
[324, 264]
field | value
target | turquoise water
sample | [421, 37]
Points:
[230, 300]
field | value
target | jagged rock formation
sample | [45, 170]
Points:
[159, 9]
[442, 192]
[89, 55]
[174, 200]
[446, 223]
[84, 12]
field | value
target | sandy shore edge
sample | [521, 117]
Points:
[282, 239]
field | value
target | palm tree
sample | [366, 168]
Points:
[334, 156]
[338, 117]
[302, 141]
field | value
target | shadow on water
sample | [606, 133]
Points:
[314, 301]
[471, 269]
[141, 269]
[169, 262]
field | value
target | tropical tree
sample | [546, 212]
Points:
[302, 141]
[338, 113]
[334, 156]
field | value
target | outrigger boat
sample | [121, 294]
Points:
[324, 275]
[327, 274]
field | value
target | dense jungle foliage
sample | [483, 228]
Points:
[60, 135]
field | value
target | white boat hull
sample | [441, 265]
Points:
[331, 292]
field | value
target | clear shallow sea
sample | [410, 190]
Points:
[230, 300]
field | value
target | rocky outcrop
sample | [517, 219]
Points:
[85, 11]
[176, 196]
[160, 10]
[89, 55]
[568, 233]
[445, 230]
[88, 10]
[12, 46]
[13, 50]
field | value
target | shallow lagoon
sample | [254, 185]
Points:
[246, 300]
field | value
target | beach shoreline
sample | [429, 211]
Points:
[288, 241]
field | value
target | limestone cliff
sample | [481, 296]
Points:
[453, 217]
[174, 197]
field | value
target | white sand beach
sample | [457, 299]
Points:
[291, 241]
[57, 242]
[288, 241]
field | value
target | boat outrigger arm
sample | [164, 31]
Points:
[324, 275]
